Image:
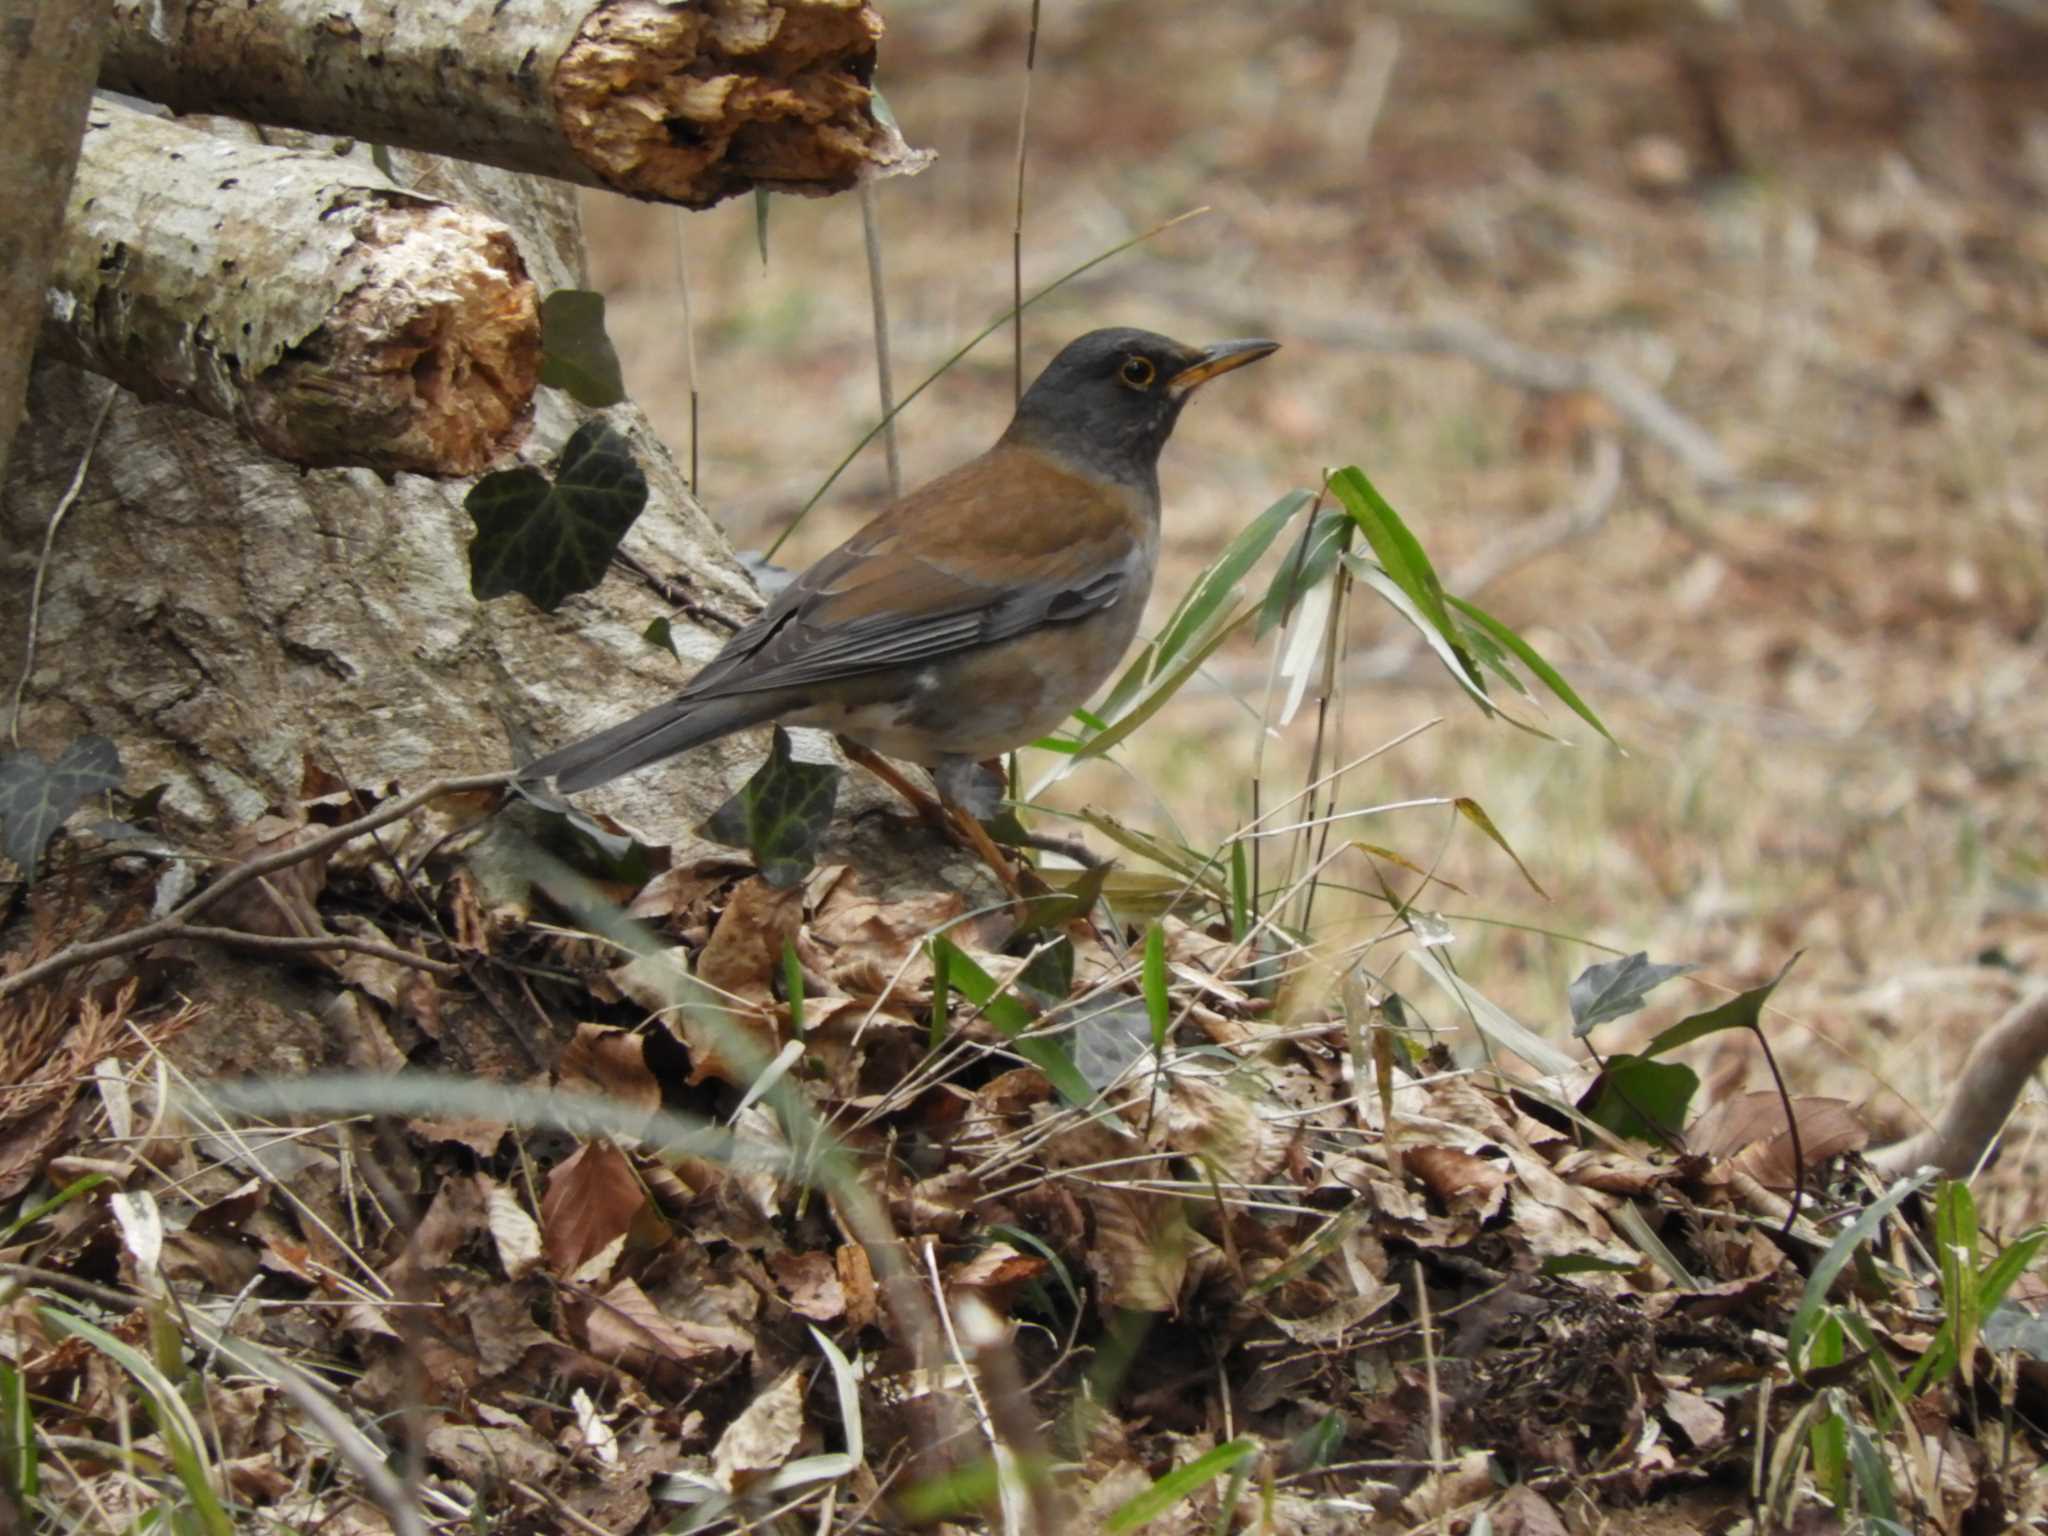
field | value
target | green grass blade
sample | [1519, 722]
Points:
[18, 1459]
[1008, 1014]
[1213, 588]
[1955, 1238]
[183, 1442]
[1529, 657]
[1398, 550]
[1814, 1299]
[1403, 602]
[1158, 1006]
[1177, 1485]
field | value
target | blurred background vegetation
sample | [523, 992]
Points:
[1818, 231]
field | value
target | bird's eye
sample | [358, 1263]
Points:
[1138, 372]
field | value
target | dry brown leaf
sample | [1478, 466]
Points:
[1224, 1128]
[1522, 1511]
[610, 1064]
[485, 1456]
[1612, 1172]
[995, 1274]
[1467, 1185]
[501, 1326]
[764, 1436]
[625, 1325]
[1748, 1129]
[683, 894]
[452, 1219]
[591, 1200]
[811, 1282]
[285, 903]
[1329, 1326]
[257, 1479]
[1695, 1417]
[744, 958]
[1140, 1252]
[480, 1136]
[857, 1282]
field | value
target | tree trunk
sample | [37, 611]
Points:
[331, 316]
[49, 50]
[224, 616]
[680, 103]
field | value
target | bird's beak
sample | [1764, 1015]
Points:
[1221, 358]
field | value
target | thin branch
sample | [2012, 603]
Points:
[971, 343]
[690, 340]
[178, 922]
[871, 231]
[35, 591]
[314, 943]
[1017, 226]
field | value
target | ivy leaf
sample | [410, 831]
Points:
[1641, 1099]
[661, 634]
[576, 355]
[37, 797]
[1614, 989]
[779, 814]
[1742, 1011]
[549, 538]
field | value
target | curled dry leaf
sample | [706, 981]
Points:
[1475, 1186]
[995, 1274]
[857, 1285]
[1748, 1129]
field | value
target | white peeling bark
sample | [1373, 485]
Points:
[684, 103]
[332, 316]
[224, 616]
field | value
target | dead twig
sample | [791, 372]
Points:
[35, 591]
[177, 924]
[314, 943]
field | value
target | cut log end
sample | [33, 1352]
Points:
[695, 104]
[427, 364]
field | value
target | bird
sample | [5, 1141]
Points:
[974, 614]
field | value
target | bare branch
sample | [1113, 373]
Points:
[177, 924]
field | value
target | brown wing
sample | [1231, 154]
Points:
[911, 588]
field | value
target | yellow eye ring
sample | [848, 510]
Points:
[1138, 372]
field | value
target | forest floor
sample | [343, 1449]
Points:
[1825, 246]
[1713, 357]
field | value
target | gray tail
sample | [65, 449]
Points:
[661, 732]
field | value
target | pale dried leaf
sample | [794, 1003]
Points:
[764, 1436]
[515, 1232]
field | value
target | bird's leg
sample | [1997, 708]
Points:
[952, 814]
[928, 808]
